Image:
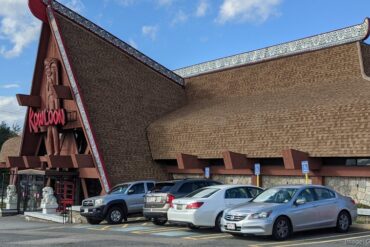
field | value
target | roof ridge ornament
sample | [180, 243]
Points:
[329, 39]
[92, 27]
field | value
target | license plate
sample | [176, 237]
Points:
[86, 210]
[230, 226]
[150, 199]
[179, 207]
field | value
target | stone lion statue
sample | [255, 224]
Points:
[48, 197]
[11, 194]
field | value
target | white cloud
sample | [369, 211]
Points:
[13, 85]
[133, 43]
[18, 28]
[75, 5]
[150, 31]
[180, 17]
[247, 10]
[202, 8]
[11, 112]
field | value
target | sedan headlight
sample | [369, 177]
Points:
[98, 202]
[261, 215]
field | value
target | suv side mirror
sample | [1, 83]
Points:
[300, 201]
[131, 192]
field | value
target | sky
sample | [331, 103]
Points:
[175, 33]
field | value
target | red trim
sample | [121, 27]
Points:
[82, 100]
[38, 9]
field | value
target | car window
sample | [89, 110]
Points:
[201, 184]
[211, 183]
[254, 191]
[150, 186]
[163, 187]
[237, 193]
[188, 187]
[324, 194]
[119, 189]
[137, 189]
[276, 195]
[202, 193]
[306, 195]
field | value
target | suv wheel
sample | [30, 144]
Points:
[282, 228]
[115, 215]
[92, 221]
[159, 222]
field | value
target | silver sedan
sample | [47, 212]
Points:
[281, 210]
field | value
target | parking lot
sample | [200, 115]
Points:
[16, 231]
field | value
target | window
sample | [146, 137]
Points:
[237, 193]
[324, 194]
[254, 191]
[120, 189]
[306, 195]
[163, 187]
[188, 187]
[150, 186]
[211, 183]
[137, 189]
[276, 195]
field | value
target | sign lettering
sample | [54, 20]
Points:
[46, 118]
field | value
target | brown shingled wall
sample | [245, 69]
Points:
[316, 102]
[122, 97]
[365, 49]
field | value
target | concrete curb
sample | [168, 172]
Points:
[361, 226]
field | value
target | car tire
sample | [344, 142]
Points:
[193, 227]
[343, 222]
[218, 222]
[115, 215]
[92, 221]
[159, 222]
[282, 228]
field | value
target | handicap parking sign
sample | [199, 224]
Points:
[305, 167]
[257, 169]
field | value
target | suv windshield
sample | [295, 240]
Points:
[202, 193]
[163, 187]
[276, 195]
[119, 189]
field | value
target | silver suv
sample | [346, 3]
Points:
[122, 200]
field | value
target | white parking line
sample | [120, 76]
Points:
[322, 242]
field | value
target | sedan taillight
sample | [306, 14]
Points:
[194, 205]
[170, 198]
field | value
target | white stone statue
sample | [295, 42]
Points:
[11, 198]
[49, 202]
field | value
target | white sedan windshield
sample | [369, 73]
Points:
[276, 195]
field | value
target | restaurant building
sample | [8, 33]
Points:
[100, 112]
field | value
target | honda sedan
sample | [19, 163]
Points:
[279, 211]
[204, 207]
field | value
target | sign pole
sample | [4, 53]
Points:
[305, 169]
[306, 175]
[258, 180]
[257, 172]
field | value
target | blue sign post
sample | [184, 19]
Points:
[305, 169]
[257, 172]
[207, 172]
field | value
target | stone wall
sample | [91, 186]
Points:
[183, 176]
[357, 188]
[225, 179]
[270, 181]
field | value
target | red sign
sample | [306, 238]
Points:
[46, 118]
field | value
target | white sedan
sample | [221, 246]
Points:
[204, 207]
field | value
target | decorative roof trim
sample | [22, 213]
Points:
[78, 97]
[114, 41]
[334, 38]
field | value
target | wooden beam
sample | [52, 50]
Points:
[82, 161]
[32, 161]
[59, 161]
[29, 100]
[15, 162]
[3, 165]
[88, 173]
[345, 171]
[84, 188]
[63, 92]
[187, 161]
[236, 161]
[293, 158]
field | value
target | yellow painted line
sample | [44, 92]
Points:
[144, 224]
[322, 242]
[100, 229]
[124, 226]
[158, 230]
[303, 241]
[214, 237]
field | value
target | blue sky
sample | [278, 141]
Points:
[176, 33]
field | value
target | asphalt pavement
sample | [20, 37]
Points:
[16, 231]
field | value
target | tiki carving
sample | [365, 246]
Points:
[51, 69]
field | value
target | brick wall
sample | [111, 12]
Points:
[122, 97]
[315, 102]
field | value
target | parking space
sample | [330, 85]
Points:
[14, 231]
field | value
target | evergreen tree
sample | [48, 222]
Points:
[7, 132]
